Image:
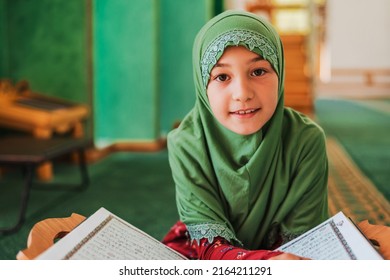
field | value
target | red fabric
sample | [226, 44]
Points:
[220, 249]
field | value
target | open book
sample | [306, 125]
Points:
[106, 236]
[338, 238]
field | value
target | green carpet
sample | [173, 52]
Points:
[350, 191]
[364, 132]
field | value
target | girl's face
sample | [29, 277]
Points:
[242, 90]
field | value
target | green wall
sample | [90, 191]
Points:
[48, 46]
[3, 40]
[125, 70]
[142, 66]
[179, 25]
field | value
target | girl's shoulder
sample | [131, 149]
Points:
[300, 128]
[295, 122]
[302, 135]
[186, 134]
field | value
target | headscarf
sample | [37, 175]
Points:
[248, 189]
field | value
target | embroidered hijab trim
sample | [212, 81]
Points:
[210, 231]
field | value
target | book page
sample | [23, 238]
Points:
[335, 239]
[104, 236]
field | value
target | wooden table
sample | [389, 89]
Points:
[29, 152]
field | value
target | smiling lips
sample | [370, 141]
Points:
[244, 112]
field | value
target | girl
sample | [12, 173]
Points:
[250, 174]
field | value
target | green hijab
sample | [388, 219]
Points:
[248, 189]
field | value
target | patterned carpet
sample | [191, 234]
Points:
[351, 191]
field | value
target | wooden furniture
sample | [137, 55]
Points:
[44, 233]
[379, 236]
[298, 80]
[28, 153]
[39, 115]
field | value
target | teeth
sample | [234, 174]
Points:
[243, 112]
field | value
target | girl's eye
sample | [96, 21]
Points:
[258, 72]
[222, 78]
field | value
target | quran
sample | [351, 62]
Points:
[104, 236]
[338, 238]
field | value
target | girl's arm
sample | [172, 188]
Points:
[221, 249]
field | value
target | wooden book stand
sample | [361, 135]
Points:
[379, 235]
[40, 115]
[44, 234]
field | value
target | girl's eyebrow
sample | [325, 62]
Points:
[221, 65]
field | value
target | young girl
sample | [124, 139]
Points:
[250, 174]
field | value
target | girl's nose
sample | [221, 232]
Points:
[242, 90]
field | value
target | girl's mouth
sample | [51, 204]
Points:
[245, 112]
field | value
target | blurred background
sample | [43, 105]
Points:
[129, 65]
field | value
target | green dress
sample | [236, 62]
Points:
[248, 189]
